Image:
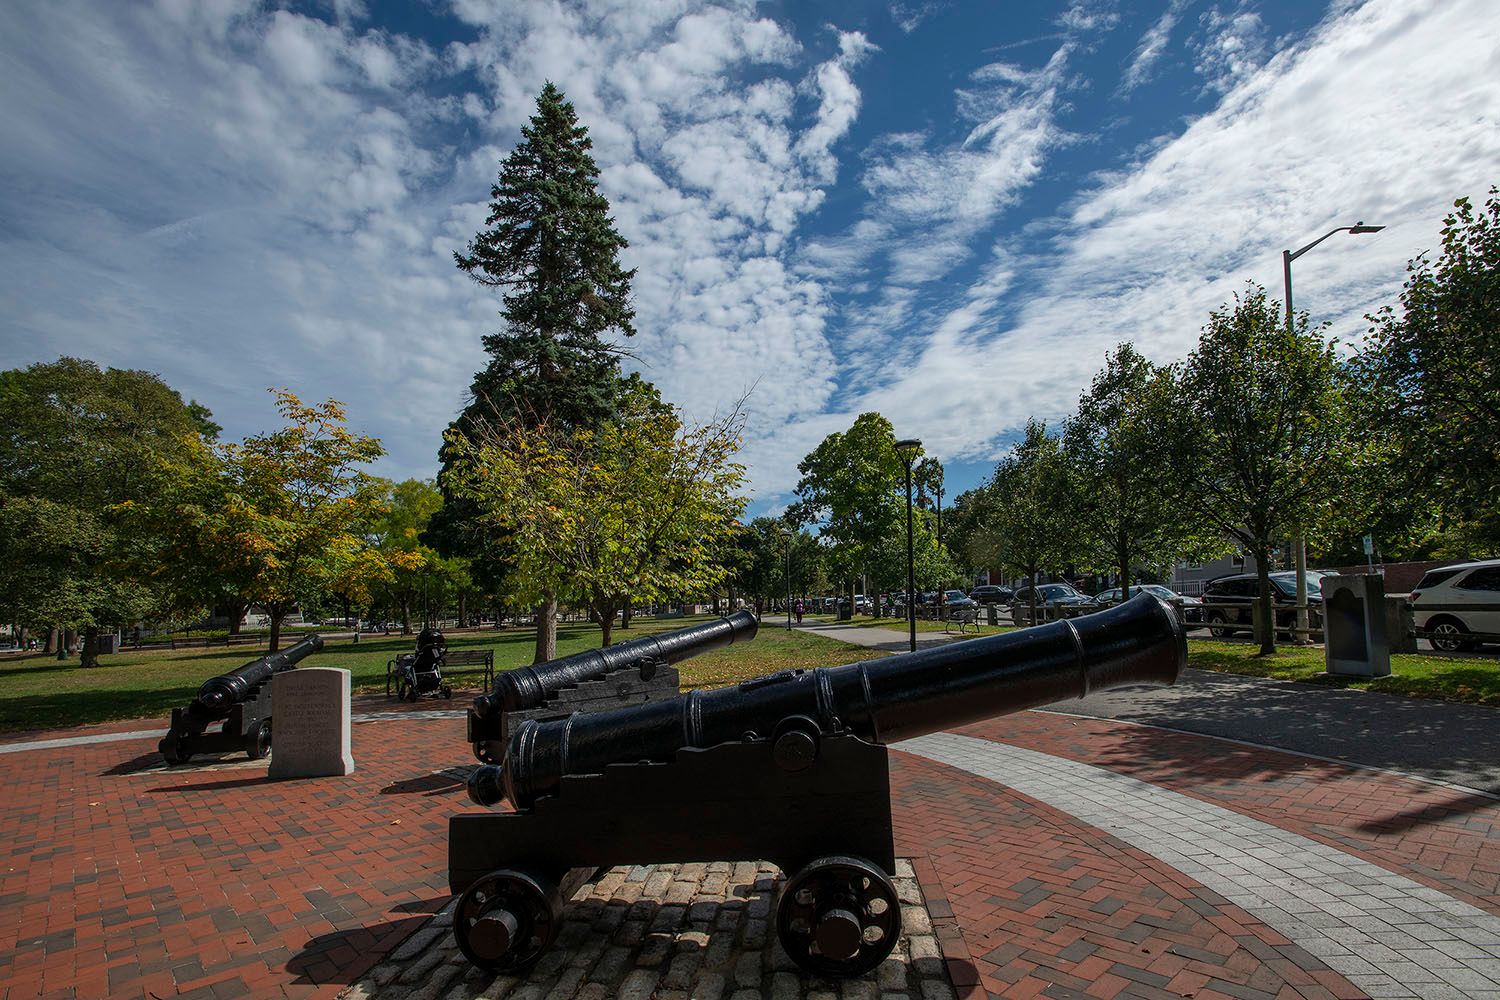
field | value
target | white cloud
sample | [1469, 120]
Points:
[1151, 47]
[1230, 45]
[1385, 113]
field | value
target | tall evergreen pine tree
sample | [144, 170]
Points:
[549, 243]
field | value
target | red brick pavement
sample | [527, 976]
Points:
[1044, 904]
[1440, 836]
[220, 883]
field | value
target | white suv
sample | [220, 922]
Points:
[1452, 602]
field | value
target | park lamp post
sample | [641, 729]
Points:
[908, 449]
[1300, 549]
[789, 579]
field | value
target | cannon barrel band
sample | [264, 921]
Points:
[218, 693]
[528, 687]
[881, 701]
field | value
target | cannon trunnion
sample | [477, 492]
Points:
[790, 768]
[627, 673]
[242, 699]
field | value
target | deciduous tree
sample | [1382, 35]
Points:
[852, 488]
[1026, 525]
[1437, 361]
[78, 444]
[633, 510]
[1260, 429]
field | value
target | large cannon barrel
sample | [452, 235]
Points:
[880, 701]
[218, 693]
[529, 687]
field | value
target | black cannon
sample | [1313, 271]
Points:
[242, 699]
[626, 673]
[790, 768]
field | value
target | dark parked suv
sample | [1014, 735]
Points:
[1228, 600]
[991, 594]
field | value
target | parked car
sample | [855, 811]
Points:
[1228, 601]
[991, 594]
[1048, 595]
[953, 599]
[1453, 602]
[1191, 608]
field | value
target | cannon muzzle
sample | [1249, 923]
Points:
[529, 687]
[879, 701]
[218, 693]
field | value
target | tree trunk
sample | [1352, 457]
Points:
[90, 654]
[236, 612]
[546, 631]
[1122, 553]
[1267, 618]
[406, 614]
[70, 640]
[760, 607]
[277, 613]
[626, 613]
[606, 615]
[1031, 576]
[463, 609]
[348, 616]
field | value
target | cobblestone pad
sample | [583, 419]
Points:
[668, 932]
[1388, 935]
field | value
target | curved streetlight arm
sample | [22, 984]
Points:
[1300, 555]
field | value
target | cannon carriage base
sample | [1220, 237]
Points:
[247, 727]
[650, 681]
[817, 806]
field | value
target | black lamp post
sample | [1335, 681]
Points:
[908, 449]
[1300, 552]
[789, 580]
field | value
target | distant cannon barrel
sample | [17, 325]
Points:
[529, 687]
[218, 693]
[879, 701]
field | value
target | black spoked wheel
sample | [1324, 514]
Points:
[839, 917]
[507, 919]
[1216, 626]
[258, 741]
[175, 749]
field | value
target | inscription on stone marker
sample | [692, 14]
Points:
[310, 723]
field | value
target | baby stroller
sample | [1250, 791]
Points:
[422, 672]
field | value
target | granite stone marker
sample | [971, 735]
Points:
[1354, 622]
[310, 723]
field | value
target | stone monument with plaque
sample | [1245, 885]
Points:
[310, 723]
[1354, 622]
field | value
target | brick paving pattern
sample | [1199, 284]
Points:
[1391, 936]
[671, 932]
[124, 879]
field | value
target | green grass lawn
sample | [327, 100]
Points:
[1450, 678]
[40, 692]
[924, 625]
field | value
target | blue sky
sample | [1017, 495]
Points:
[946, 212]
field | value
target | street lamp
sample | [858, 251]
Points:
[908, 449]
[789, 580]
[1300, 555]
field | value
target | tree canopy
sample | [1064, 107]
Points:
[78, 444]
[637, 509]
[1437, 362]
[1259, 428]
[851, 486]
